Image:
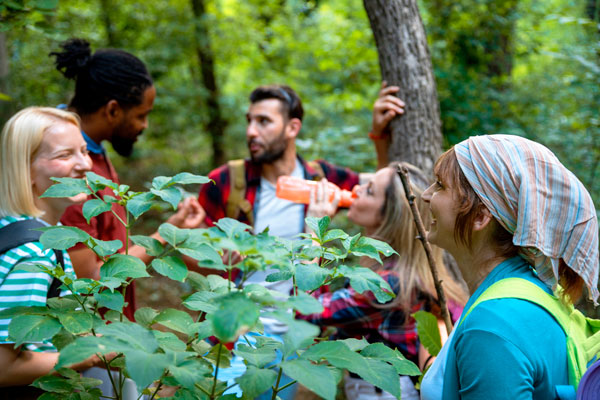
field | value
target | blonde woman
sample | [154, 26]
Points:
[382, 210]
[36, 144]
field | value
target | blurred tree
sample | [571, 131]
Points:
[405, 61]
[215, 125]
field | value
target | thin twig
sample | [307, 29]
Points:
[403, 172]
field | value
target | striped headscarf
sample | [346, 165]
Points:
[538, 200]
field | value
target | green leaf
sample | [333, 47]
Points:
[207, 256]
[189, 372]
[364, 279]
[105, 248]
[185, 178]
[177, 320]
[160, 182]
[205, 329]
[202, 301]
[112, 300]
[299, 335]
[122, 266]
[153, 247]
[98, 182]
[305, 304]
[139, 204]
[172, 234]
[169, 341]
[381, 247]
[258, 357]
[256, 381]
[32, 328]
[231, 226]
[46, 4]
[334, 234]
[318, 225]
[355, 344]
[362, 249]
[429, 332]
[171, 195]
[172, 267]
[132, 335]
[145, 368]
[62, 237]
[310, 276]
[145, 316]
[337, 353]
[82, 348]
[380, 374]
[197, 281]
[55, 384]
[76, 322]
[236, 315]
[66, 187]
[62, 339]
[94, 207]
[316, 378]
[382, 352]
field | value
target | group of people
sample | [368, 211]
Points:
[502, 206]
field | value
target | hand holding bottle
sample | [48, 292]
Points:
[324, 199]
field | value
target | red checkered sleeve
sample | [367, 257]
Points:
[213, 196]
[345, 178]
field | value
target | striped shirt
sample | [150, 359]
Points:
[23, 288]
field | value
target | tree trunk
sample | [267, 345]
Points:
[215, 125]
[405, 61]
[105, 7]
[6, 108]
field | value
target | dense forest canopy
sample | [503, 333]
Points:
[520, 67]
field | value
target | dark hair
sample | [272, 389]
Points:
[289, 99]
[106, 75]
[449, 172]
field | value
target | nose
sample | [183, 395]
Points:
[426, 196]
[251, 131]
[84, 162]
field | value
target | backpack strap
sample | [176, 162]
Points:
[582, 346]
[22, 232]
[236, 201]
[318, 169]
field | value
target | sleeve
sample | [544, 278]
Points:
[487, 362]
[211, 195]
[345, 178]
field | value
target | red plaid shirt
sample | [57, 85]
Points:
[213, 197]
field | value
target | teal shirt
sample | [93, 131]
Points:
[506, 348]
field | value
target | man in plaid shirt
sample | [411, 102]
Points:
[274, 121]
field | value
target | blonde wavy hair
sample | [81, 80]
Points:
[398, 229]
[19, 141]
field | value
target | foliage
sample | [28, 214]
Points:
[169, 346]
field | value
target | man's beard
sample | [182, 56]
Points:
[122, 144]
[273, 151]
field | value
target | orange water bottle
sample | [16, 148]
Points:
[298, 190]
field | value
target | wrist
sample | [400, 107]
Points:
[378, 136]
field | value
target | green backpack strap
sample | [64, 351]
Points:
[583, 334]
[236, 201]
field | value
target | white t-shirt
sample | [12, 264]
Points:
[284, 219]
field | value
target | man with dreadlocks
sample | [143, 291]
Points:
[114, 94]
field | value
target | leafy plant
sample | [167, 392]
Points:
[190, 347]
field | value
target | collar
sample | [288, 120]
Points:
[253, 171]
[92, 146]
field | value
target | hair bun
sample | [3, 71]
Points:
[74, 58]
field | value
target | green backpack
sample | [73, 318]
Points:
[583, 334]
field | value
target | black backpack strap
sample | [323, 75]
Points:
[21, 232]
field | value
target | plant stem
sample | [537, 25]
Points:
[212, 392]
[275, 388]
[287, 385]
[403, 172]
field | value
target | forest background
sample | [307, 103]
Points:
[524, 67]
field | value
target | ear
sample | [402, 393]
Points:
[113, 112]
[293, 127]
[483, 219]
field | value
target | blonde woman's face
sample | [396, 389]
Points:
[62, 153]
[366, 208]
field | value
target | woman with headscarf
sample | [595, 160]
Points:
[505, 207]
[382, 210]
